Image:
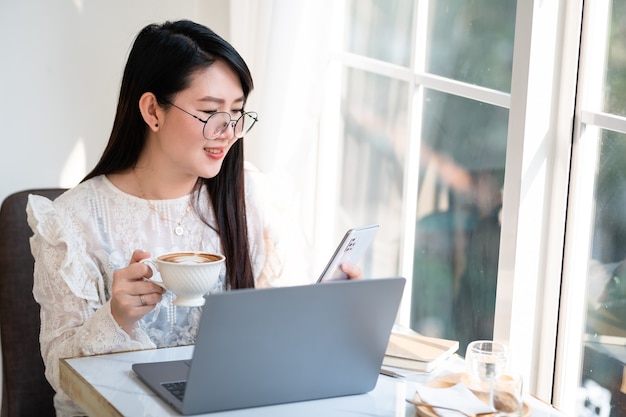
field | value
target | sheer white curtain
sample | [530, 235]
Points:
[288, 46]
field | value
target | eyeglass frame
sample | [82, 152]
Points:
[231, 123]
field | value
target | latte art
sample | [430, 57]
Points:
[189, 275]
[189, 258]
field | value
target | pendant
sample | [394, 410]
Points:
[179, 230]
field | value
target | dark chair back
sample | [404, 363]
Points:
[26, 392]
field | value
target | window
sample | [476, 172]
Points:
[596, 239]
[456, 135]
[424, 119]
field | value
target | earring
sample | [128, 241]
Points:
[156, 125]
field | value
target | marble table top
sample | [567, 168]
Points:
[106, 386]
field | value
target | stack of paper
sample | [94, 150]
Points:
[410, 350]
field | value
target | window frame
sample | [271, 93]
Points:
[589, 121]
[536, 188]
[539, 147]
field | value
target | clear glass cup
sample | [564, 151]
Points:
[486, 360]
[508, 394]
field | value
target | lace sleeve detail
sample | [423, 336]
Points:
[76, 317]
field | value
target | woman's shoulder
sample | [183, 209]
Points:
[251, 172]
[273, 189]
[88, 191]
[74, 200]
[272, 195]
[264, 191]
[258, 181]
[42, 210]
[255, 181]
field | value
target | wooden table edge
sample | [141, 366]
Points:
[83, 393]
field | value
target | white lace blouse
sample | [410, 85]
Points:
[90, 231]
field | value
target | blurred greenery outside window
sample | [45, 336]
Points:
[462, 150]
[461, 143]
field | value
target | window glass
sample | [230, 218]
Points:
[615, 81]
[604, 352]
[472, 41]
[458, 218]
[380, 29]
[462, 147]
[603, 376]
[374, 113]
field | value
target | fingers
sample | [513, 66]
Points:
[132, 303]
[352, 271]
[150, 299]
[132, 297]
[138, 255]
[129, 282]
[140, 296]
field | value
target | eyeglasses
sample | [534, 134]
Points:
[217, 123]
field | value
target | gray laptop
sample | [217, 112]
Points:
[280, 345]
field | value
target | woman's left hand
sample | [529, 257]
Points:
[352, 271]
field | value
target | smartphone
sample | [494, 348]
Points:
[350, 250]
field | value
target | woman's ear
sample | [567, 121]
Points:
[150, 110]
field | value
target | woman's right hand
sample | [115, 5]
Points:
[132, 297]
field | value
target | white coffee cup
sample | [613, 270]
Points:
[189, 275]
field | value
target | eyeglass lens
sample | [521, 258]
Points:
[219, 122]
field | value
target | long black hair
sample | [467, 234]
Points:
[162, 60]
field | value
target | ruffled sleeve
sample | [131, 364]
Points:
[70, 287]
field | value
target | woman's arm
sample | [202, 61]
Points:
[76, 317]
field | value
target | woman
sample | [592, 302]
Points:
[171, 178]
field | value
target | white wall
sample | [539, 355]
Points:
[61, 65]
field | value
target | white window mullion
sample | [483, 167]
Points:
[521, 298]
[411, 162]
[575, 266]
[461, 89]
[581, 208]
[567, 79]
[419, 76]
[605, 120]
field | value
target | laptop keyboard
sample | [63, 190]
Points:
[177, 389]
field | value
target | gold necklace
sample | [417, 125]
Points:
[179, 230]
